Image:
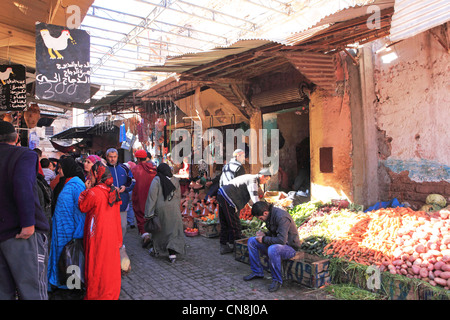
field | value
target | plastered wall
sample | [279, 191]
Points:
[330, 126]
[412, 111]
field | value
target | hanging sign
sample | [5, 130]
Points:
[62, 64]
[13, 87]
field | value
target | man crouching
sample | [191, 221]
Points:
[279, 243]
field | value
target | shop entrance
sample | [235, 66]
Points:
[294, 154]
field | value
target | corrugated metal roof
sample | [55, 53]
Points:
[412, 17]
[186, 62]
[317, 18]
[309, 14]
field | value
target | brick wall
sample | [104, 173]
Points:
[415, 193]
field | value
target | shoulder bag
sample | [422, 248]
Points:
[152, 224]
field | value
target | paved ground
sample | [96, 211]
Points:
[202, 274]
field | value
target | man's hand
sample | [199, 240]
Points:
[25, 233]
[122, 189]
[260, 234]
[259, 238]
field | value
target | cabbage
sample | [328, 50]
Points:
[436, 199]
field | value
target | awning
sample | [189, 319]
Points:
[412, 17]
[71, 133]
[318, 19]
[113, 98]
[180, 64]
[64, 149]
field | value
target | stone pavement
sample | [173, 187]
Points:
[202, 274]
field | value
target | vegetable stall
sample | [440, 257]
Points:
[409, 246]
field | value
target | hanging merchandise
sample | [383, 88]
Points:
[140, 131]
[32, 115]
[33, 140]
[129, 142]
[123, 133]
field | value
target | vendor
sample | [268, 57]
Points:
[280, 242]
[301, 182]
[231, 198]
[233, 168]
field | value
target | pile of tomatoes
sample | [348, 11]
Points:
[246, 213]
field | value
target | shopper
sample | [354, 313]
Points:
[280, 242]
[67, 220]
[48, 169]
[124, 182]
[234, 168]
[72, 169]
[45, 194]
[164, 200]
[88, 163]
[23, 227]
[131, 219]
[232, 198]
[102, 235]
[143, 173]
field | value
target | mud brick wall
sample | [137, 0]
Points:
[415, 193]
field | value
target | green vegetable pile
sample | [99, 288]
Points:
[314, 245]
[251, 227]
[303, 211]
[318, 223]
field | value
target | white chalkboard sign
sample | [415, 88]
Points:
[13, 87]
[62, 64]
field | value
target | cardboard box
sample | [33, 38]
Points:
[208, 230]
[309, 270]
[277, 198]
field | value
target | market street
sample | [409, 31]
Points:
[203, 274]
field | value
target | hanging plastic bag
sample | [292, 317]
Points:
[71, 261]
[122, 133]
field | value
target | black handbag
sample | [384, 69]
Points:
[72, 255]
[152, 224]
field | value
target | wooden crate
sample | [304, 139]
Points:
[395, 287]
[306, 269]
[208, 230]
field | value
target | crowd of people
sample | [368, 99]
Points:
[49, 203]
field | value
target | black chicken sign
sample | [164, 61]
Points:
[62, 64]
[13, 87]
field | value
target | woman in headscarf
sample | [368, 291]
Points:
[67, 220]
[67, 169]
[164, 198]
[88, 163]
[102, 235]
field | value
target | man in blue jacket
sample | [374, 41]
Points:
[23, 225]
[124, 182]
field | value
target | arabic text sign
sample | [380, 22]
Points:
[13, 87]
[62, 64]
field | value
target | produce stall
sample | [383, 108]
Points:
[409, 250]
[406, 246]
[200, 214]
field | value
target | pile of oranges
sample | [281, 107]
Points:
[209, 216]
[191, 230]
